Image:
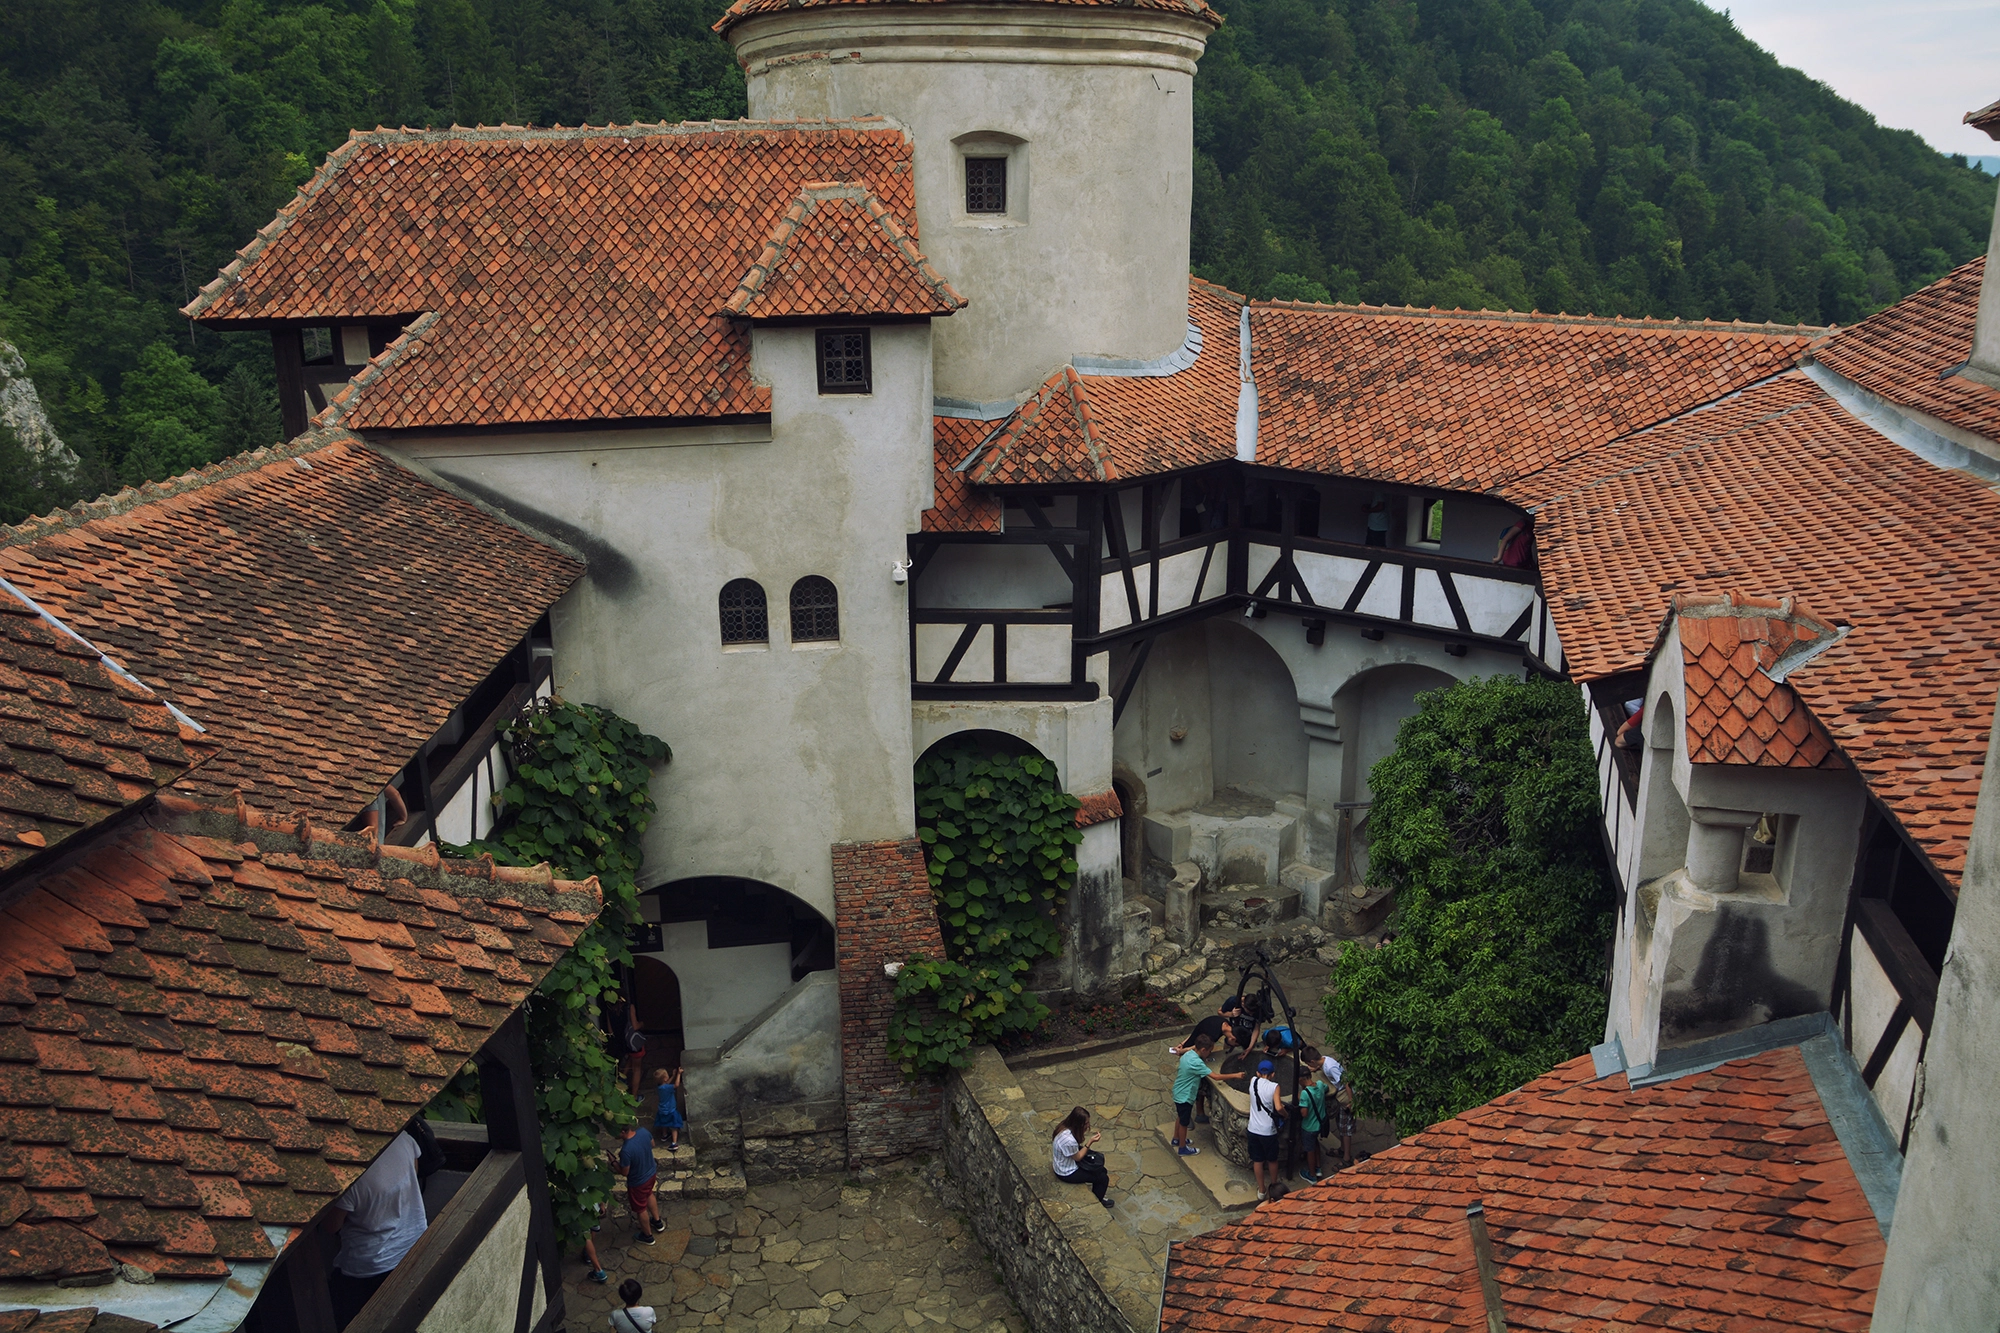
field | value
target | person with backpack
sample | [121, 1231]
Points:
[1313, 1121]
[1340, 1107]
[634, 1318]
[1267, 1121]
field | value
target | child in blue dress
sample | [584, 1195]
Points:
[667, 1119]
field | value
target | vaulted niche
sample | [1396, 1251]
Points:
[729, 947]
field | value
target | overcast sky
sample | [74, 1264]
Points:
[1915, 64]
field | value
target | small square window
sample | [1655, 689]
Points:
[843, 361]
[986, 185]
[1760, 845]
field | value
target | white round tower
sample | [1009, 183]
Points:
[1054, 146]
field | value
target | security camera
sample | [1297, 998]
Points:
[900, 570]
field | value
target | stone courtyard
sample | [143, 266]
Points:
[889, 1251]
[871, 1254]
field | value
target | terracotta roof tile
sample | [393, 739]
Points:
[574, 275]
[80, 738]
[1086, 428]
[1907, 353]
[956, 505]
[1736, 712]
[1719, 1200]
[1778, 490]
[289, 600]
[744, 9]
[1478, 401]
[838, 251]
[166, 1122]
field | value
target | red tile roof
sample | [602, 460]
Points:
[1779, 491]
[1987, 118]
[1907, 353]
[1085, 428]
[576, 275]
[838, 251]
[744, 9]
[956, 506]
[1476, 402]
[213, 1021]
[320, 609]
[1717, 1201]
[80, 739]
[1736, 713]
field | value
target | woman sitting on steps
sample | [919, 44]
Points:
[1073, 1158]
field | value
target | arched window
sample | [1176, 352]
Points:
[815, 610]
[744, 616]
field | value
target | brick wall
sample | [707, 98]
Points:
[882, 913]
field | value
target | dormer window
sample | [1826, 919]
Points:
[843, 361]
[986, 185]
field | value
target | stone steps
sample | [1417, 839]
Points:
[681, 1177]
[1248, 907]
[1177, 977]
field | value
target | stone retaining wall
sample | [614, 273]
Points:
[1071, 1267]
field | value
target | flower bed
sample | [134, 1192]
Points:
[1081, 1023]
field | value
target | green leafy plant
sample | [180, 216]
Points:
[1484, 823]
[580, 799]
[999, 832]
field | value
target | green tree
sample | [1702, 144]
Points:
[1484, 823]
[170, 415]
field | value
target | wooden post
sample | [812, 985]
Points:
[507, 1094]
[289, 349]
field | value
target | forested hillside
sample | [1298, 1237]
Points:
[1631, 156]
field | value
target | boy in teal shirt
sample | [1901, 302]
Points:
[1188, 1074]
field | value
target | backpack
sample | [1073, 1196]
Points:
[1312, 1109]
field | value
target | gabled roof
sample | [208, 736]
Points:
[1083, 427]
[838, 251]
[1479, 401]
[744, 9]
[575, 275]
[957, 506]
[1735, 652]
[1987, 118]
[1908, 353]
[1720, 1200]
[1781, 490]
[80, 738]
[215, 1019]
[318, 608]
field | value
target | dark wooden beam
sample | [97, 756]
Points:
[1135, 665]
[417, 1283]
[1019, 690]
[507, 1095]
[288, 350]
[1908, 970]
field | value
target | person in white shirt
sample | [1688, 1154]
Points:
[1071, 1157]
[1267, 1104]
[634, 1318]
[1340, 1117]
[378, 1220]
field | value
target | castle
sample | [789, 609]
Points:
[892, 414]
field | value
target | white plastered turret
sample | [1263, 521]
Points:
[1093, 109]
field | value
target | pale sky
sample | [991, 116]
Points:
[1914, 64]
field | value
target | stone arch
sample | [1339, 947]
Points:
[1662, 813]
[1257, 740]
[734, 945]
[1132, 806]
[1005, 730]
[1370, 706]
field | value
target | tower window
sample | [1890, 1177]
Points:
[815, 610]
[986, 185]
[843, 361]
[745, 618]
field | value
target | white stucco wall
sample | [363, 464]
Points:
[486, 1293]
[721, 989]
[1942, 1271]
[779, 751]
[1095, 107]
[1258, 742]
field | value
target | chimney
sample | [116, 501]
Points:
[1984, 365]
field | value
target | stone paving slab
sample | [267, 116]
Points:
[1229, 1187]
[874, 1255]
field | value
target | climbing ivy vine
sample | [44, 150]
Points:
[999, 832]
[580, 799]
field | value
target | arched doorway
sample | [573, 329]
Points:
[1370, 708]
[656, 992]
[1258, 743]
[723, 950]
